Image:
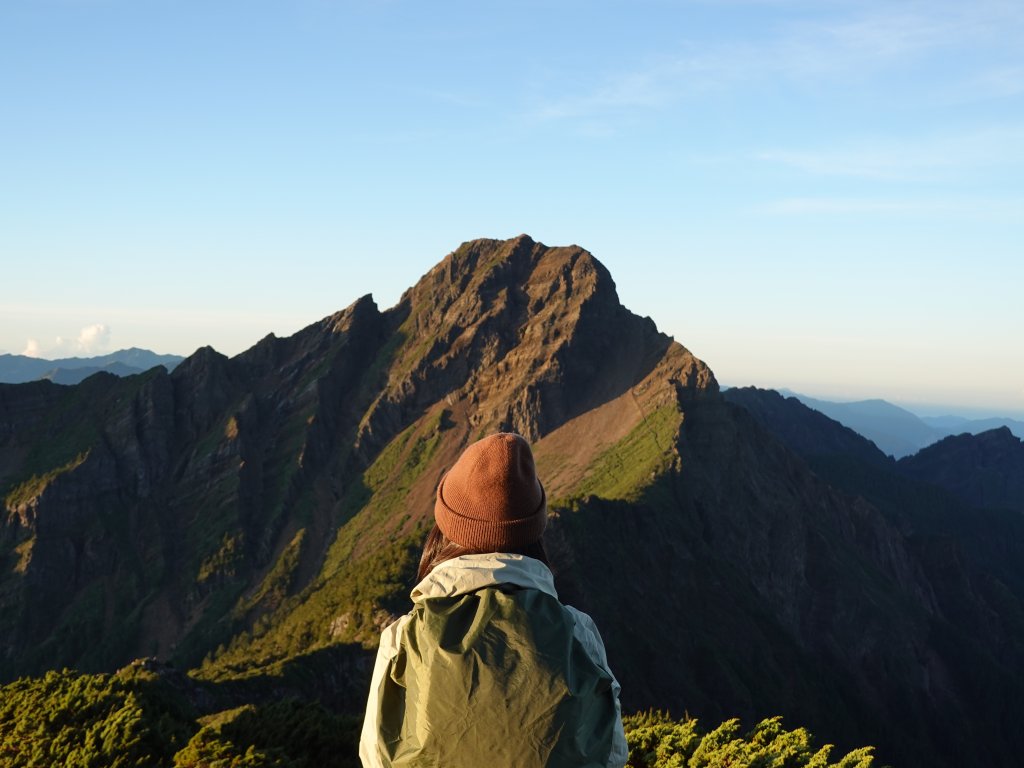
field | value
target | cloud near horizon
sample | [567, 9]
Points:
[91, 340]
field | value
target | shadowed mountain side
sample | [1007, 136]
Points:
[985, 470]
[241, 513]
[992, 538]
[971, 560]
[896, 431]
[803, 429]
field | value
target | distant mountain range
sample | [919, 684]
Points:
[897, 431]
[17, 369]
[984, 470]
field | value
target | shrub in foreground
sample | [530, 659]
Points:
[657, 741]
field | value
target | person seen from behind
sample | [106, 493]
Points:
[489, 669]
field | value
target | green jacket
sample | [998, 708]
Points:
[490, 670]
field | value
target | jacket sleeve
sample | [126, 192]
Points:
[390, 639]
[586, 632]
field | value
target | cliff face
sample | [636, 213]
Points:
[249, 511]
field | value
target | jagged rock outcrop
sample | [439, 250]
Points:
[240, 514]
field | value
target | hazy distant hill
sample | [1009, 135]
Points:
[897, 431]
[957, 425]
[259, 518]
[17, 369]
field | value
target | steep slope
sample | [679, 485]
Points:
[252, 514]
[928, 514]
[985, 470]
[972, 559]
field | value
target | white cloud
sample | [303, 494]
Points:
[94, 337]
[31, 348]
[92, 340]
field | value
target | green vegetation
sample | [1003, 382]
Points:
[71, 426]
[273, 590]
[386, 483]
[657, 741]
[87, 721]
[286, 734]
[35, 485]
[140, 718]
[136, 718]
[626, 468]
[366, 573]
[224, 561]
[353, 606]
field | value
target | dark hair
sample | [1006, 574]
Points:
[438, 548]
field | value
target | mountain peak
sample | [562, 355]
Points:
[479, 272]
[508, 323]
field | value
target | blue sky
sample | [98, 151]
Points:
[826, 196]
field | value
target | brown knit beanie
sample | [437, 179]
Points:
[491, 498]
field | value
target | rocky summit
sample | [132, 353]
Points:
[244, 517]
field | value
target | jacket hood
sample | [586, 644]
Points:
[468, 573]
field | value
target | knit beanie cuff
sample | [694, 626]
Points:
[494, 535]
